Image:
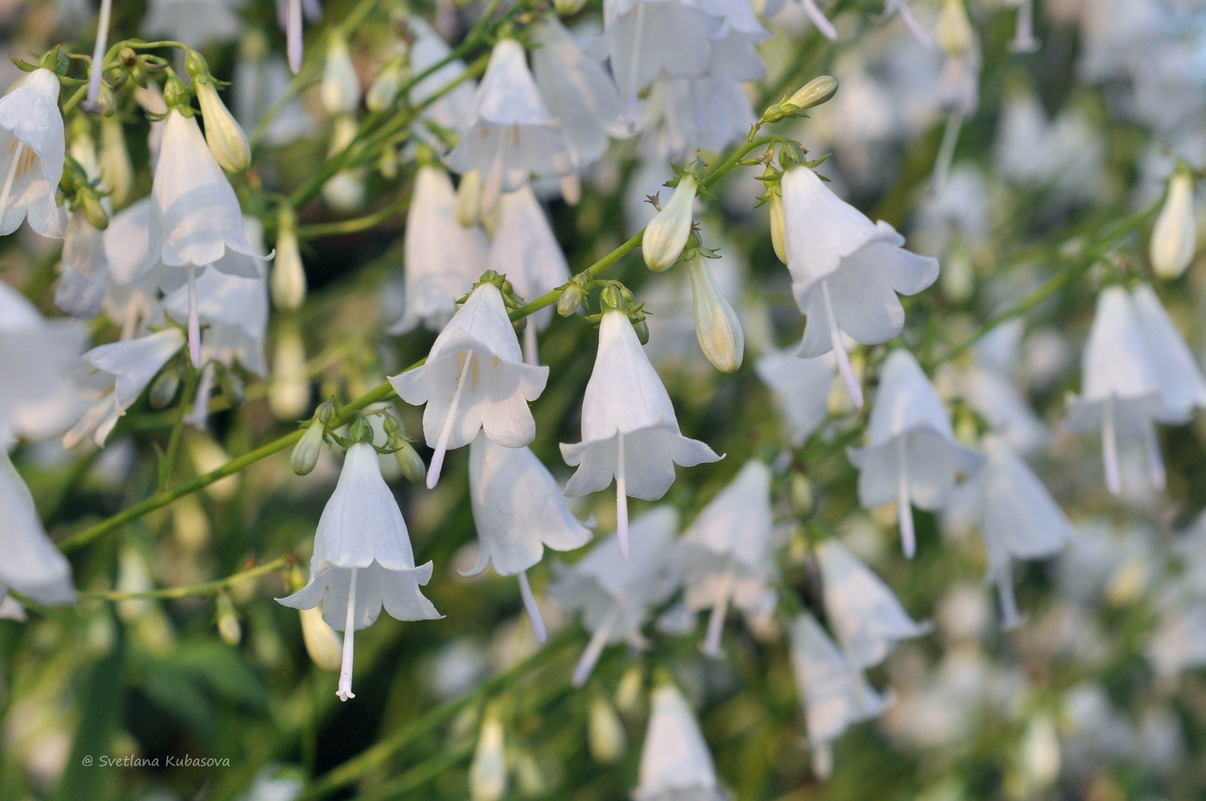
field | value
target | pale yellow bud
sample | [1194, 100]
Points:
[229, 628]
[666, 234]
[308, 449]
[819, 90]
[488, 771]
[778, 225]
[223, 133]
[383, 91]
[468, 206]
[606, 736]
[288, 281]
[1174, 238]
[116, 169]
[955, 34]
[323, 643]
[340, 89]
[716, 325]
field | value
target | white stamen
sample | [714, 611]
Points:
[621, 498]
[1109, 449]
[205, 388]
[437, 458]
[594, 648]
[818, 19]
[919, 33]
[571, 188]
[1023, 37]
[18, 157]
[1155, 462]
[529, 605]
[711, 644]
[904, 509]
[839, 351]
[345, 669]
[194, 320]
[293, 35]
[97, 69]
[529, 343]
[1010, 618]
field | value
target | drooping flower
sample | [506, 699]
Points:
[1137, 371]
[518, 510]
[362, 559]
[443, 258]
[441, 107]
[834, 694]
[113, 376]
[864, 614]
[675, 761]
[614, 595]
[1175, 236]
[474, 379]
[1018, 518]
[629, 429]
[911, 455]
[340, 87]
[801, 388]
[726, 552]
[509, 133]
[29, 562]
[846, 271]
[84, 270]
[32, 149]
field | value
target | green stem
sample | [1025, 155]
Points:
[316, 230]
[196, 590]
[169, 458]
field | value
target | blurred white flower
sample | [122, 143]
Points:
[32, 149]
[29, 562]
[675, 761]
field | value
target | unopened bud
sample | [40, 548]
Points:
[642, 331]
[488, 771]
[778, 224]
[340, 89]
[802, 499]
[820, 89]
[288, 274]
[385, 87]
[223, 133]
[1174, 238]
[666, 234]
[630, 690]
[307, 450]
[606, 735]
[322, 642]
[567, 8]
[410, 463]
[468, 206]
[954, 33]
[175, 94]
[95, 213]
[716, 325]
[164, 389]
[529, 777]
[228, 622]
[116, 169]
[570, 300]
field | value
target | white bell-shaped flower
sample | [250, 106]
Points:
[675, 761]
[726, 552]
[1181, 383]
[911, 455]
[510, 132]
[363, 559]
[629, 429]
[1018, 518]
[35, 398]
[29, 562]
[615, 595]
[113, 376]
[84, 271]
[846, 271]
[1120, 388]
[443, 258]
[864, 614]
[474, 379]
[440, 106]
[32, 149]
[525, 249]
[518, 510]
[834, 694]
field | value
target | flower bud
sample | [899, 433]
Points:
[666, 234]
[642, 331]
[345, 191]
[954, 33]
[778, 225]
[322, 642]
[529, 777]
[288, 275]
[223, 133]
[606, 735]
[468, 206]
[1175, 235]
[488, 771]
[410, 463]
[164, 389]
[630, 691]
[716, 325]
[307, 450]
[95, 213]
[385, 87]
[340, 89]
[820, 89]
[801, 493]
[228, 622]
[568, 8]
[116, 169]
[570, 300]
[175, 95]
